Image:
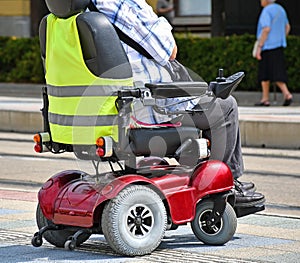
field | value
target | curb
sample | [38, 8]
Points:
[20, 121]
[270, 134]
[254, 132]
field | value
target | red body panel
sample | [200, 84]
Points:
[68, 199]
[48, 193]
[215, 177]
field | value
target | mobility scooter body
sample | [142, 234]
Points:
[74, 198]
[134, 205]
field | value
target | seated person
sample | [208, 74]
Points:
[219, 123]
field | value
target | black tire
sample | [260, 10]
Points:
[134, 222]
[36, 241]
[57, 237]
[70, 245]
[222, 232]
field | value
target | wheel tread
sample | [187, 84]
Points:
[110, 217]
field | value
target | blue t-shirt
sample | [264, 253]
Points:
[275, 17]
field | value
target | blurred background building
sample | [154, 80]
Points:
[206, 17]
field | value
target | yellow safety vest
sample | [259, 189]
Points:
[81, 105]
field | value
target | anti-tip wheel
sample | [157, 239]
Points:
[36, 241]
[70, 245]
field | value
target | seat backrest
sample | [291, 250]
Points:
[85, 64]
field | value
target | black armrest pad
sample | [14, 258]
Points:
[177, 89]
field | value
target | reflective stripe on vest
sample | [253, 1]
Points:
[81, 105]
[78, 91]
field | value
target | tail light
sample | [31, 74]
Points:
[40, 139]
[104, 146]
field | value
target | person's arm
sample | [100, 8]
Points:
[287, 29]
[160, 42]
[174, 53]
[263, 37]
[138, 20]
[156, 36]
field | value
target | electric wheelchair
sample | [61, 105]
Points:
[164, 177]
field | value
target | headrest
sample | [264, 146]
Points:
[66, 8]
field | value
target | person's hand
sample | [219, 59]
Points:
[258, 53]
[174, 53]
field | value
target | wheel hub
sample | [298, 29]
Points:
[208, 226]
[140, 220]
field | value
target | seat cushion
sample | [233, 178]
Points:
[159, 141]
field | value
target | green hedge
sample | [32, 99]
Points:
[234, 53]
[20, 58]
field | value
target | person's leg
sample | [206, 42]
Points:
[279, 74]
[286, 93]
[265, 91]
[264, 78]
[220, 125]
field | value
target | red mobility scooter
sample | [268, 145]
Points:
[134, 204]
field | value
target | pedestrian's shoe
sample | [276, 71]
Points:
[287, 102]
[265, 103]
[244, 186]
[248, 199]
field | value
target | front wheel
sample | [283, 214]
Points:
[217, 234]
[135, 221]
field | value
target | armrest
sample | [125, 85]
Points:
[177, 89]
[224, 87]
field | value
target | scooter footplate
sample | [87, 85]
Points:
[243, 211]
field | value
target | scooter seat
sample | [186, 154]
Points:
[159, 141]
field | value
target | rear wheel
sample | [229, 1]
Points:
[134, 222]
[216, 234]
[57, 238]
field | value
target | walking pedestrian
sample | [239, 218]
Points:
[272, 29]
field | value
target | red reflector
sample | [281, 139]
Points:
[100, 152]
[38, 148]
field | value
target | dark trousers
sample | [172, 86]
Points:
[220, 124]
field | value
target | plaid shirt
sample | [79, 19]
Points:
[138, 21]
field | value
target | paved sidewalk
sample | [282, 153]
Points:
[271, 127]
[259, 238]
[264, 237]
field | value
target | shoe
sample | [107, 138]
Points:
[262, 103]
[244, 186]
[287, 102]
[248, 199]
